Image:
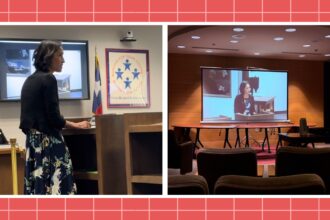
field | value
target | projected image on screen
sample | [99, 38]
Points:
[234, 95]
[16, 65]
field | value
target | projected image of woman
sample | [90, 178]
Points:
[48, 166]
[244, 102]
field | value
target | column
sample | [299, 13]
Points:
[248, 208]
[324, 10]
[221, 11]
[4, 210]
[223, 207]
[106, 208]
[51, 208]
[163, 208]
[51, 11]
[163, 10]
[135, 209]
[191, 208]
[304, 208]
[81, 209]
[276, 10]
[248, 10]
[324, 208]
[135, 10]
[4, 10]
[108, 10]
[78, 10]
[304, 10]
[22, 10]
[191, 11]
[276, 208]
[22, 208]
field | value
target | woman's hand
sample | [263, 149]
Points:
[83, 124]
[77, 125]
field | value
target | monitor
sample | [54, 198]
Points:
[244, 95]
[16, 65]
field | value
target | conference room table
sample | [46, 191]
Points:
[184, 129]
[302, 140]
[187, 127]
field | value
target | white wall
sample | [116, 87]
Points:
[148, 38]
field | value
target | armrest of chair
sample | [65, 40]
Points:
[187, 185]
[186, 152]
[291, 184]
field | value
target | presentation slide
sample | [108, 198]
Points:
[16, 65]
[238, 95]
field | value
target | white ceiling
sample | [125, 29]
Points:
[254, 39]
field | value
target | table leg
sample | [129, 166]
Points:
[279, 142]
[197, 140]
[247, 137]
[266, 139]
[238, 140]
[227, 139]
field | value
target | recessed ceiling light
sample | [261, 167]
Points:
[234, 41]
[238, 29]
[327, 36]
[238, 36]
[278, 38]
[290, 30]
[208, 51]
[181, 46]
[327, 55]
[195, 37]
[257, 53]
[306, 45]
[302, 55]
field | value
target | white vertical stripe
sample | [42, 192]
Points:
[93, 21]
[37, 209]
[234, 13]
[149, 10]
[37, 10]
[262, 10]
[177, 10]
[121, 10]
[205, 17]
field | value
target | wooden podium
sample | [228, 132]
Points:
[98, 154]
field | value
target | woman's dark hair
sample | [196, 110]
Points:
[242, 86]
[44, 54]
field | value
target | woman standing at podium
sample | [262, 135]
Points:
[48, 168]
[244, 102]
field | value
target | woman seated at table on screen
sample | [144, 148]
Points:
[244, 102]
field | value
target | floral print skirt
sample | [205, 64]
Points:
[48, 166]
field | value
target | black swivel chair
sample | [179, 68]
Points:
[180, 155]
[214, 163]
[298, 160]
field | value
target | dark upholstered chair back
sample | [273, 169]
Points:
[187, 185]
[293, 184]
[297, 160]
[179, 155]
[214, 163]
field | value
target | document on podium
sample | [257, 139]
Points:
[256, 117]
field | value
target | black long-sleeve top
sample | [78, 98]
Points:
[40, 105]
[240, 105]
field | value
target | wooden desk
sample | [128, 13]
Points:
[264, 126]
[82, 148]
[186, 130]
[295, 139]
[187, 127]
